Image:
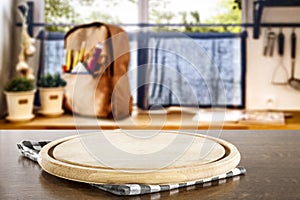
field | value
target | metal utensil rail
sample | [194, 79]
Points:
[256, 25]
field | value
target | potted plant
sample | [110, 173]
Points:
[19, 97]
[51, 88]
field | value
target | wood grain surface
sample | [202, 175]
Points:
[83, 151]
[272, 160]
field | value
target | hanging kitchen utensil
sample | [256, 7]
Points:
[280, 74]
[269, 42]
[266, 41]
[294, 82]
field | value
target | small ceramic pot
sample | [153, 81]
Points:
[51, 101]
[20, 105]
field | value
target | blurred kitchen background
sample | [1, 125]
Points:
[255, 88]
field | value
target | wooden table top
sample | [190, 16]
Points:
[174, 119]
[272, 160]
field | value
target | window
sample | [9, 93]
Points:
[147, 11]
[213, 76]
[192, 69]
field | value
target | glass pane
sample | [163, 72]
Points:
[86, 11]
[196, 12]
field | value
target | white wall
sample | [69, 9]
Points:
[259, 89]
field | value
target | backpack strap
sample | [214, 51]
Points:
[111, 50]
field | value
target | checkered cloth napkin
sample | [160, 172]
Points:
[31, 149]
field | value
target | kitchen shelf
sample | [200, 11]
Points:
[258, 7]
[175, 118]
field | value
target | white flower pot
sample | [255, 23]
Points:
[51, 101]
[20, 105]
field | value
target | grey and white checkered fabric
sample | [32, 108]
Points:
[31, 149]
[137, 189]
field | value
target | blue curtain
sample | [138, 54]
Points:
[52, 57]
[194, 69]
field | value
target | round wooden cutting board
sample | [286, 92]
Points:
[145, 157]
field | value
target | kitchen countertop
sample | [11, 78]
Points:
[272, 160]
[172, 119]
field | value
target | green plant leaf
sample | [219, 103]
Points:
[19, 84]
[50, 81]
